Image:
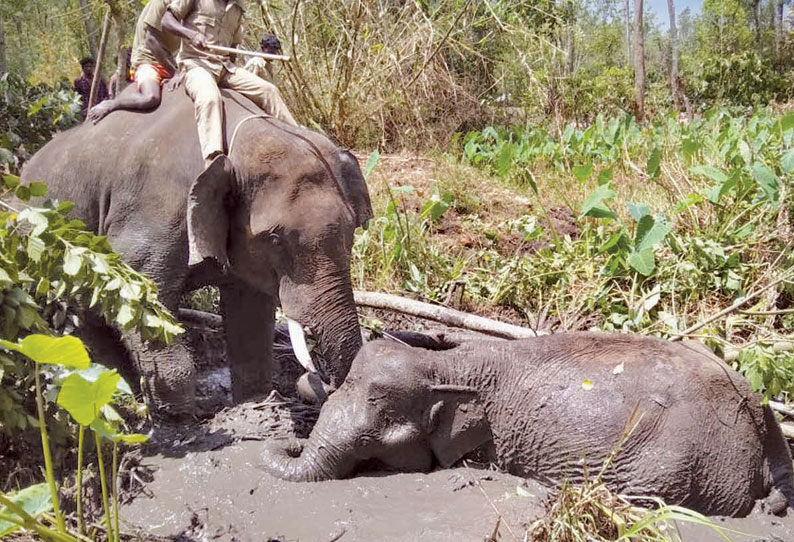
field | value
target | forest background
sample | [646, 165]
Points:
[576, 164]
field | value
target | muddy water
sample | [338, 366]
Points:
[222, 495]
[214, 489]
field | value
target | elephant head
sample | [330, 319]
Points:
[396, 410]
[281, 221]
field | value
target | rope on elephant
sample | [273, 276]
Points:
[237, 129]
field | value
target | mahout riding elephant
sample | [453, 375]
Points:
[272, 224]
[668, 419]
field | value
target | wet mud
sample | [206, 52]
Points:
[206, 484]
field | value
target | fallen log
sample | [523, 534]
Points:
[201, 318]
[449, 317]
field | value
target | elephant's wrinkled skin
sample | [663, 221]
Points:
[697, 435]
[276, 228]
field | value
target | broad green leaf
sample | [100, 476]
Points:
[593, 205]
[34, 217]
[504, 159]
[787, 163]
[38, 189]
[125, 315]
[65, 207]
[605, 175]
[650, 233]
[67, 351]
[35, 500]
[582, 173]
[638, 210]
[72, 262]
[642, 261]
[84, 399]
[36, 248]
[10, 181]
[711, 172]
[132, 438]
[767, 180]
[372, 161]
[654, 160]
[787, 122]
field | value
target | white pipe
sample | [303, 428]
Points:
[298, 340]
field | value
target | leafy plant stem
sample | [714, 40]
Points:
[45, 445]
[116, 490]
[104, 484]
[79, 481]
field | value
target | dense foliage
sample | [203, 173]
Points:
[707, 226]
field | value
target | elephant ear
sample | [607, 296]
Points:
[355, 188]
[456, 423]
[207, 216]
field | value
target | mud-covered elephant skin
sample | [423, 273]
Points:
[272, 224]
[681, 424]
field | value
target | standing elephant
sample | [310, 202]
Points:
[271, 224]
[670, 419]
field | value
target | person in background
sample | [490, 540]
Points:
[152, 61]
[261, 67]
[82, 85]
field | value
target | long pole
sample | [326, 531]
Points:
[233, 50]
[100, 54]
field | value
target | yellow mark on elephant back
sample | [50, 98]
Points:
[587, 385]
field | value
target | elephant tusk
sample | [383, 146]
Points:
[298, 340]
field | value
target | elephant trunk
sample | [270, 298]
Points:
[327, 308]
[318, 461]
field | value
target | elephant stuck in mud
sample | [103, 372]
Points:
[669, 419]
[272, 224]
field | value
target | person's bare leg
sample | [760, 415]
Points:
[147, 97]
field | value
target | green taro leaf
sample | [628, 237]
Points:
[582, 173]
[654, 160]
[638, 210]
[605, 175]
[372, 161]
[711, 172]
[650, 233]
[66, 351]
[642, 261]
[84, 399]
[787, 122]
[787, 163]
[593, 205]
[35, 500]
[767, 180]
[504, 159]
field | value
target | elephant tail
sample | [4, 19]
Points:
[779, 468]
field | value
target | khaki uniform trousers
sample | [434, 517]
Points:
[202, 87]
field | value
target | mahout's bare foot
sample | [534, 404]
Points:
[99, 111]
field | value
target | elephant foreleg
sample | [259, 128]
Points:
[248, 319]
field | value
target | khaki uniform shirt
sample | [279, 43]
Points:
[261, 68]
[151, 16]
[221, 23]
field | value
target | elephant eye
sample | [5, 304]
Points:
[275, 240]
[365, 440]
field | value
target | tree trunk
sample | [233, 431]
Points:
[628, 31]
[122, 64]
[639, 61]
[90, 31]
[778, 15]
[3, 65]
[570, 45]
[674, 87]
[757, 21]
